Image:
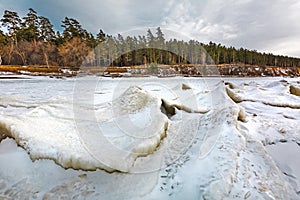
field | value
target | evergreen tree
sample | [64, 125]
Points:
[30, 27]
[11, 21]
[160, 44]
[150, 44]
[47, 33]
[101, 36]
[72, 28]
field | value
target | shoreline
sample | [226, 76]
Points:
[224, 71]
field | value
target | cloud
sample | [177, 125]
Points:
[112, 16]
[269, 25]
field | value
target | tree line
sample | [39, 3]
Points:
[31, 40]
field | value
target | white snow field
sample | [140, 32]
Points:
[149, 138]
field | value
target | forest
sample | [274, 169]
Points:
[32, 40]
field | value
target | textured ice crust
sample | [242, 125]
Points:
[214, 153]
[49, 132]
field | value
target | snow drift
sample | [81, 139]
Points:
[207, 141]
[49, 132]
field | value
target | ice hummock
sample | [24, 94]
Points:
[135, 128]
[216, 154]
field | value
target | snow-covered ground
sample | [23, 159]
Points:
[149, 138]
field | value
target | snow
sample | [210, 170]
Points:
[48, 132]
[288, 164]
[276, 93]
[173, 138]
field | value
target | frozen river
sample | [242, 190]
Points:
[149, 138]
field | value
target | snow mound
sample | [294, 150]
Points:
[131, 126]
[134, 99]
[234, 96]
[214, 155]
[275, 94]
[231, 85]
[242, 114]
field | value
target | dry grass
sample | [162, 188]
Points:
[100, 69]
[116, 70]
[95, 70]
[18, 69]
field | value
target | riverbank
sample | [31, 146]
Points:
[188, 70]
[89, 122]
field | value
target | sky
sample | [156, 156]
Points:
[264, 25]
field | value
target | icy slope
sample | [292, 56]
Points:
[273, 119]
[49, 132]
[202, 144]
[224, 161]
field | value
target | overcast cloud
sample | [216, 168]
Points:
[265, 25]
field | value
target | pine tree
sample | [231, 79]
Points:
[11, 21]
[100, 36]
[160, 45]
[142, 52]
[30, 27]
[72, 29]
[121, 49]
[47, 33]
[150, 45]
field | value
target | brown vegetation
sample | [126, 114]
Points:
[22, 69]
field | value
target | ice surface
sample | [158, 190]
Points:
[287, 156]
[175, 138]
[276, 93]
[20, 178]
[273, 118]
[49, 132]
